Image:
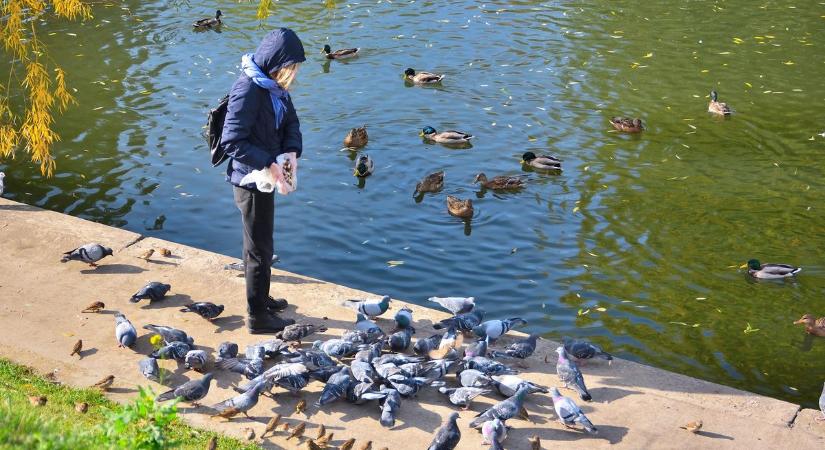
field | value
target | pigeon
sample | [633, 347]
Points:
[425, 346]
[407, 385]
[520, 349]
[206, 310]
[822, 405]
[274, 347]
[366, 325]
[360, 393]
[509, 384]
[250, 368]
[462, 322]
[2, 183]
[475, 378]
[313, 359]
[323, 374]
[359, 337]
[447, 437]
[195, 360]
[437, 368]
[503, 410]
[227, 350]
[255, 352]
[569, 413]
[170, 334]
[243, 402]
[390, 407]
[149, 368]
[124, 331]
[497, 328]
[771, 271]
[154, 291]
[290, 376]
[488, 366]
[456, 305]
[370, 308]
[362, 371]
[89, 253]
[451, 339]
[371, 352]
[403, 318]
[463, 396]
[173, 350]
[493, 432]
[336, 387]
[337, 348]
[191, 391]
[479, 348]
[570, 375]
[397, 359]
[298, 331]
[580, 350]
[400, 340]
[94, 307]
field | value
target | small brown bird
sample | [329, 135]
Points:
[37, 400]
[147, 254]
[433, 182]
[298, 431]
[81, 407]
[78, 346]
[535, 443]
[499, 183]
[285, 427]
[693, 427]
[324, 441]
[94, 307]
[165, 252]
[627, 125]
[270, 426]
[813, 325]
[348, 444]
[249, 434]
[356, 138]
[212, 444]
[459, 208]
[322, 430]
[366, 446]
[229, 413]
[312, 445]
[105, 383]
[301, 406]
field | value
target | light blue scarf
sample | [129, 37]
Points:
[276, 93]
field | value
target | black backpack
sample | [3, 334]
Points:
[214, 130]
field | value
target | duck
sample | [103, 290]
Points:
[718, 107]
[364, 166]
[813, 325]
[500, 182]
[433, 182]
[544, 162]
[356, 138]
[459, 208]
[209, 22]
[340, 54]
[446, 137]
[422, 77]
[771, 271]
[627, 125]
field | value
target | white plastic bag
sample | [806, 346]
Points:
[265, 182]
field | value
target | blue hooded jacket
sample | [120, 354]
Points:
[250, 137]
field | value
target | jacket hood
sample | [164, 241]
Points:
[279, 48]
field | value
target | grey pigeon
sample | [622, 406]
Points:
[437, 368]
[336, 387]
[462, 322]
[403, 318]
[487, 366]
[191, 391]
[206, 310]
[362, 323]
[173, 350]
[463, 396]
[520, 349]
[390, 407]
[250, 368]
[494, 329]
[362, 371]
[255, 352]
[274, 375]
[494, 432]
[371, 352]
[243, 402]
[503, 410]
[195, 360]
[407, 385]
[474, 378]
[447, 437]
[323, 374]
[274, 347]
[580, 349]
[2, 183]
[478, 348]
[149, 368]
[397, 359]
[509, 384]
[124, 331]
[369, 308]
[425, 346]
[313, 359]
[153, 291]
[400, 340]
[569, 413]
[456, 305]
[170, 334]
[359, 337]
[298, 331]
[89, 253]
[570, 375]
[360, 393]
[227, 350]
[337, 348]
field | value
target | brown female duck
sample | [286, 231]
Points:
[356, 138]
[627, 125]
[500, 182]
[433, 182]
[812, 324]
[459, 208]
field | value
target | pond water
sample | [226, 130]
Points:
[637, 244]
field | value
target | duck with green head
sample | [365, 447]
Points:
[422, 77]
[364, 166]
[770, 271]
[717, 107]
[450, 137]
[542, 162]
[209, 22]
[344, 53]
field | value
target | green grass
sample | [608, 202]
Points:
[58, 426]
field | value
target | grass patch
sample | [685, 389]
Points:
[57, 425]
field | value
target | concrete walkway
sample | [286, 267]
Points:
[634, 406]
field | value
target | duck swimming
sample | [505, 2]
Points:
[446, 137]
[364, 166]
[544, 162]
[356, 138]
[718, 107]
[210, 22]
[459, 208]
[771, 271]
[500, 182]
[813, 325]
[627, 125]
[422, 77]
[340, 54]
[433, 182]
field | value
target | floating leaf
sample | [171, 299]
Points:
[788, 63]
[601, 309]
[737, 40]
[748, 84]
[575, 209]
[749, 329]
[394, 263]
[648, 55]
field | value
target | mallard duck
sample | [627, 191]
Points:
[446, 137]
[209, 22]
[812, 324]
[340, 54]
[433, 182]
[363, 166]
[459, 208]
[771, 271]
[356, 138]
[627, 125]
[422, 77]
[544, 162]
[500, 182]
[718, 107]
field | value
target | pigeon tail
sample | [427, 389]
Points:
[168, 395]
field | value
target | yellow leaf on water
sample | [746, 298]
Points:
[395, 263]
[737, 40]
[648, 55]
[743, 266]
[748, 84]
[601, 309]
[705, 70]
[788, 63]
[575, 209]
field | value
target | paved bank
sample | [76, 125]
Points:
[635, 406]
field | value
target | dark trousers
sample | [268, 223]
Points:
[258, 216]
